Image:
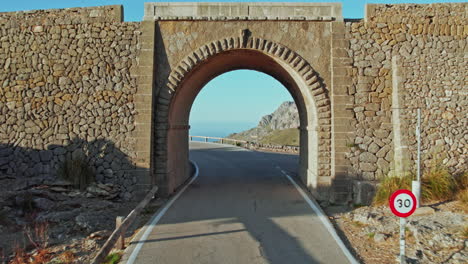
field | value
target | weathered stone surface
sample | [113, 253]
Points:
[57, 89]
[423, 48]
[423, 211]
[69, 83]
[43, 203]
[367, 157]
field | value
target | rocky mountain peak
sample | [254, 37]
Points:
[284, 117]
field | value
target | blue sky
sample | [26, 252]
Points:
[134, 8]
[232, 102]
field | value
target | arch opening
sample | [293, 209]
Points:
[176, 132]
[234, 105]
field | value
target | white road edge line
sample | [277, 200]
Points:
[324, 220]
[158, 216]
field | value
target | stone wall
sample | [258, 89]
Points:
[427, 44]
[67, 90]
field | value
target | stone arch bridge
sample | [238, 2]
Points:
[81, 81]
[294, 43]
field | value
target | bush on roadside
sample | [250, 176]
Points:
[462, 193]
[388, 185]
[77, 171]
[113, 258]
[437, 185]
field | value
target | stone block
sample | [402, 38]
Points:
[363, 192]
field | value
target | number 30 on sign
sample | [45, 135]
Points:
[403, 203]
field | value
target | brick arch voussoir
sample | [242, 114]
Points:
[311, 78]
[305, 70]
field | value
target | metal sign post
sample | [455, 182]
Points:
[403, 204]
[416, 185]
[402, 240]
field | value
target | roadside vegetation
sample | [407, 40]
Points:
[282, 137]
[77, 171]
[113, 258]
[438, 184]
[37, 235]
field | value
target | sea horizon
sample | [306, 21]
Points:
[218, 129]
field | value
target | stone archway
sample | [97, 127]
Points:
[174, 101]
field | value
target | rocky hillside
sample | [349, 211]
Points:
[279, 127]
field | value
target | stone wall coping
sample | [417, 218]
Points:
[372, 10]
[226, 18]
[243, 11]
[112, 13]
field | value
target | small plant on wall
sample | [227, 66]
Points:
[78, 171]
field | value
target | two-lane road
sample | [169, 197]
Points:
[241, 209]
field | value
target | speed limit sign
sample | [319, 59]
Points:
[403, 203]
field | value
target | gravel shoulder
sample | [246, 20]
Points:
[437, 235]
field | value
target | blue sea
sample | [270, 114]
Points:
[218, 129]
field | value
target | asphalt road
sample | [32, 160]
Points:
[241, 209]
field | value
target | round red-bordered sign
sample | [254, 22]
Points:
[402, 203]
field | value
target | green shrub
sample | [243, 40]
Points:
[113, 258]
[77, 171]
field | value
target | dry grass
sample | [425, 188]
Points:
[282, 137]
[38, 235]
[42, 256]
[20, 256]
[465, 232]
[462, 193]
[462, 197]
[67, 257]
[388, 185]
[77, 171]
[438, 185]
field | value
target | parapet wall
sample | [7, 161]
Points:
[440, 13]
[67, 90]
[67, 16]
[428, 45]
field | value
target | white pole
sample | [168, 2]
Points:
[416, 185]
[418, 132]
[402, 240]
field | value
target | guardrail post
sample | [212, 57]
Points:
[118, 223]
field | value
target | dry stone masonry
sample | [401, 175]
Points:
[427, 44]
[81, 83]
[67, 90]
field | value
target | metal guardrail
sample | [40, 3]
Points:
[121, 229]
[251, 144]
[222, 140]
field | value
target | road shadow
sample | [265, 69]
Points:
[235, 204]
[25, 167]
